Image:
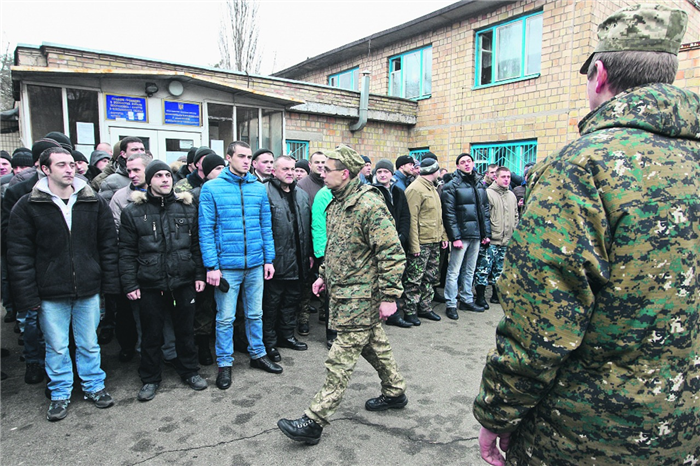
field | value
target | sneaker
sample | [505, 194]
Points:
[382, 403]
[34, 373]
[196, 382]
[102, 399]
[302, 430]
[58, 409]
[147, 392]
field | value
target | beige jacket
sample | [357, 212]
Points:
[426, 215]
[504, 214]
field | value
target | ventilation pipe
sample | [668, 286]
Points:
[364, 104]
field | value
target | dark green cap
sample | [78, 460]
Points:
[642, 28]
[347, 157]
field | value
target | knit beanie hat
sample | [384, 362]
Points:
[429, 155]
[366, 159]
[465, 154]
[5, 155]
[385, 164]
[262, 151]
[78, 156]
[41, 145]
[403, 160]
[22, 157]
[210, 162]
[190, 155]
[98, 155]
[303, 163]
[429, 166]
[201, 152]
[60, 138]
[154, 167]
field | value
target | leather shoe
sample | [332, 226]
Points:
[292, 343]
[439, 297]
[382, 403]
[273, 354]
[303, 329]
[412, 319]
[471, 307]
[430, 316]
[223, 379]
[302, 429]
[265, 364]
[451, 312]
[396, 320]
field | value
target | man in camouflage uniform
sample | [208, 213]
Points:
[362, 272]
[597, 354]
[426, 237]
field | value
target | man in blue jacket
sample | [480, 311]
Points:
[237, 245]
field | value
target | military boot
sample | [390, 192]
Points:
[494, 296]
[481, 296]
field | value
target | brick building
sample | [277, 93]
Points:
[496, 78]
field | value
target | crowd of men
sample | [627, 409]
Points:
[596, 269]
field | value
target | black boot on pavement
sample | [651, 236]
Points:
[223, 379]
[412, 319]
[451, 313]
[265, 364]
[292, 343]
[430, 316]
[382, 403]
[481, 296]
[302, 429]
[494, 296]
[471, 307]
[397, 321]
[273, 354]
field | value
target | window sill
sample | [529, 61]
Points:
[507, 81]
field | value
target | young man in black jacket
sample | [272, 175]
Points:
[160, 262]
[64, 254]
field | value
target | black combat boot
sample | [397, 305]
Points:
[481, 296]
[494, 296]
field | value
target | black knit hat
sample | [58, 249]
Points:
[464, 154]
[262, 151]
[154, 167]
[5, 155]
[60, 138]
[201, 152]
[403, 160]
[41, 145]
[190, 154]
[210, 162]
[429, 155]
[385, 164]
[78, 156]
[303, 163]
[366, 159]
[22, 157]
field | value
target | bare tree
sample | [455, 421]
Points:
[7, 101]
[238, 36]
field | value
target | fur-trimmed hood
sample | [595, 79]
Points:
[141, 197]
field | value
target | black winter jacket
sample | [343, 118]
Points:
[47, 261]
[159, 243]
[465, 208]
[289, 255]
[11, 197]
[398, 206]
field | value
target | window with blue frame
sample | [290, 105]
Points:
[411, 74]
[348, 79]
[418, 153]
[297, 149]
[512, 155]
[509, 52]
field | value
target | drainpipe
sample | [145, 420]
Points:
[364, 104]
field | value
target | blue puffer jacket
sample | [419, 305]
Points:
[235, 226]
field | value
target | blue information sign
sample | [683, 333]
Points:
[122, 107]
[181, 113]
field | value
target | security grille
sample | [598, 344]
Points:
[512, 155]
[298, 149]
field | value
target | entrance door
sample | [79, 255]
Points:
[165, 145]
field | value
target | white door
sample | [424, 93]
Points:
[165, 145]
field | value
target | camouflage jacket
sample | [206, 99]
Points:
[364, 259]
[598, 354]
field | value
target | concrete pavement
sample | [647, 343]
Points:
[442, 363]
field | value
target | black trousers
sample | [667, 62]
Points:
[119, 314]
[154, 304]
[280, 301]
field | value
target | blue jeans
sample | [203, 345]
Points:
[250, 283]
[460, 273]
[33, 338]
[55, 318]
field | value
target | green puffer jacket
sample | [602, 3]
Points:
[364, 259]
[598, 354]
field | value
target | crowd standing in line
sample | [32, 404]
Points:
[595, 265]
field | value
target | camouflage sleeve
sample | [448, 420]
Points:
[556, 261]
[384, 241]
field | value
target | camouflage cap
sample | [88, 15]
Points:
[644, 28]
[347, 157]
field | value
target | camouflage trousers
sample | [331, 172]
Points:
[490, 262]
[374, 346]
[422, 274]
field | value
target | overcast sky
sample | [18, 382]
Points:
[186, 32]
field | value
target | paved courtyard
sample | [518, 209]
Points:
[442, 363]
